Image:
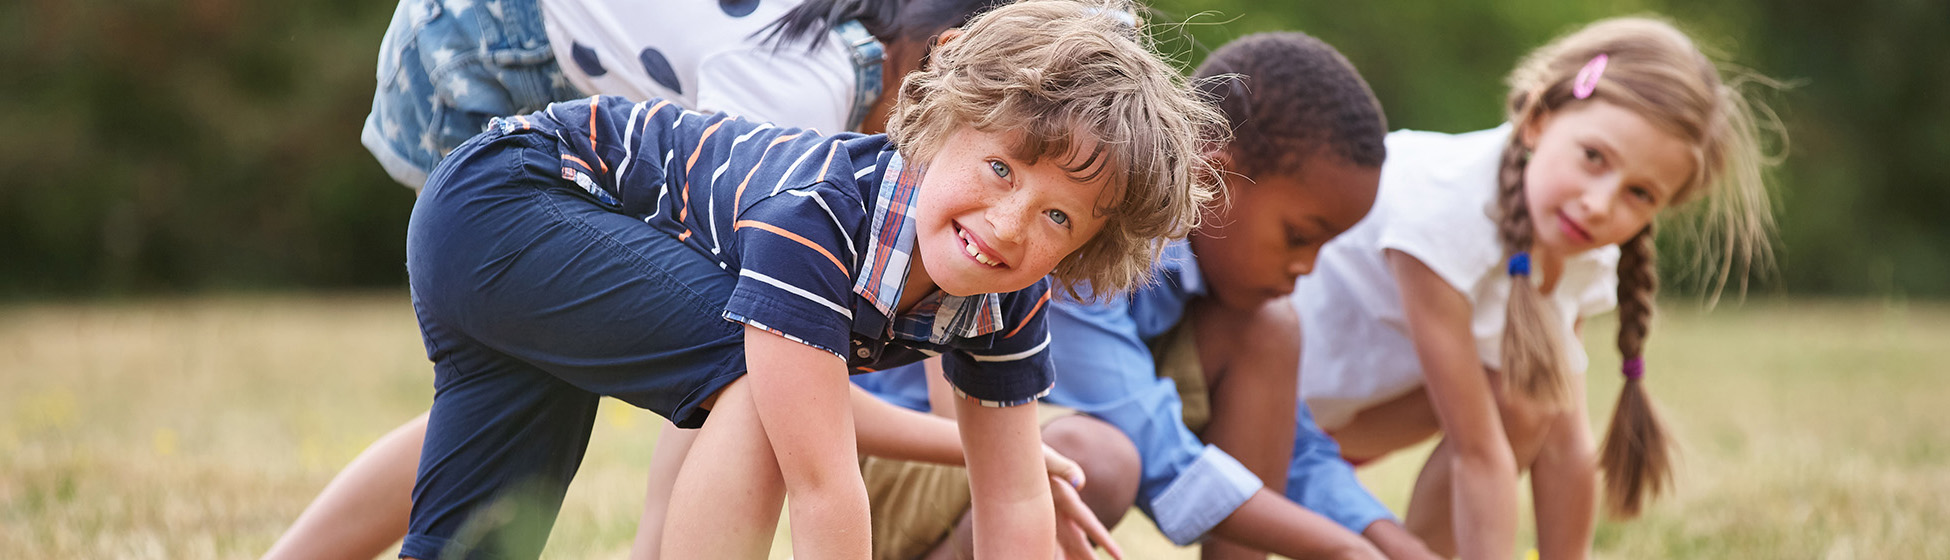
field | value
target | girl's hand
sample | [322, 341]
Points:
[1076, 525]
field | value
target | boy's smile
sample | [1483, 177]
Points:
[988, 222]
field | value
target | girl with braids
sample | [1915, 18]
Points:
[1456, 304]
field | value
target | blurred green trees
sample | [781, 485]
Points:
[213, 144]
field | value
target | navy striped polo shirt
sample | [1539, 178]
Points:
[819, 231]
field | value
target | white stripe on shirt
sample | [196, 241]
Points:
[629, 148]
[1015, 356]
[797, 291]
[794, 167]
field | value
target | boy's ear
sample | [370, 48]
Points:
[947, 35]
[1219, 157]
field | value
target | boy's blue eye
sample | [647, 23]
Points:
[1059, 217]
[1000, 169]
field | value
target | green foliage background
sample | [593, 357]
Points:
[186, 146]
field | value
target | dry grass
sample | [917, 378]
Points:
[198, 429]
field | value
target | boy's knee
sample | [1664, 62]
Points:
[1109, 460]
[1266, 338]
[1095, 445]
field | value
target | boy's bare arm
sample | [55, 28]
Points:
[888, 430]
[941, 395]
[1272, 523]
[802, 401]
[1396, 542]
[1008, 477]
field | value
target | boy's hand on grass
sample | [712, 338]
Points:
[1076, 526]
[1063, 468]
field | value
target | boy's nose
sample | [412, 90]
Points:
[1301, 266]
[1008, 216]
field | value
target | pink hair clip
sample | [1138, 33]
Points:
[1587, 80]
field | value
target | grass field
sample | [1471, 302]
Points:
[200, 428]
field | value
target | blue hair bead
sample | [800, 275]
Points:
[1520, 264]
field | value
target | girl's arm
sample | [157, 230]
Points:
[1484, 477]
[802, 401]
[1012, 508]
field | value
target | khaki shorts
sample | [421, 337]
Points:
[915, 505]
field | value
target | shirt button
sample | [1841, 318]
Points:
[863, 352]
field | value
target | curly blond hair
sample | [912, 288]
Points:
[1070, 75]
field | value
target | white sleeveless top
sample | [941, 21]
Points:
[702, 55]
[1437, 204]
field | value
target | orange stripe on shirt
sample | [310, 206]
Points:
[654, 108]
[740, 224]
[593, 101]
[1032, 315]
[685, 212]
[585, 165]
[738, 196]
[645, 129]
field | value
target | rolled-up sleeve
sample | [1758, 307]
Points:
[1104, 369]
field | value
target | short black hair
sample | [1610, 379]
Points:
[1288, 96]
[885, 19]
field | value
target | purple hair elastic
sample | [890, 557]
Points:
[1520, 264]
[1587, 80]
[1634, 368]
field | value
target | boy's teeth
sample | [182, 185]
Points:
[976, 252]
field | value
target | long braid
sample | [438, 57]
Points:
[1637, 453]
[1532, 364]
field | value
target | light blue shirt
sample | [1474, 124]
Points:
[1105, 369]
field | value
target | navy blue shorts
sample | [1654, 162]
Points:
[535, 299]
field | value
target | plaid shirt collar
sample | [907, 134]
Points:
[938, 317]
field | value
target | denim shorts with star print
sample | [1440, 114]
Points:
[446, 67]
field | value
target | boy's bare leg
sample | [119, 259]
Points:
[673, 444]
[734, 470]
[364, 509]
[1251, 361]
